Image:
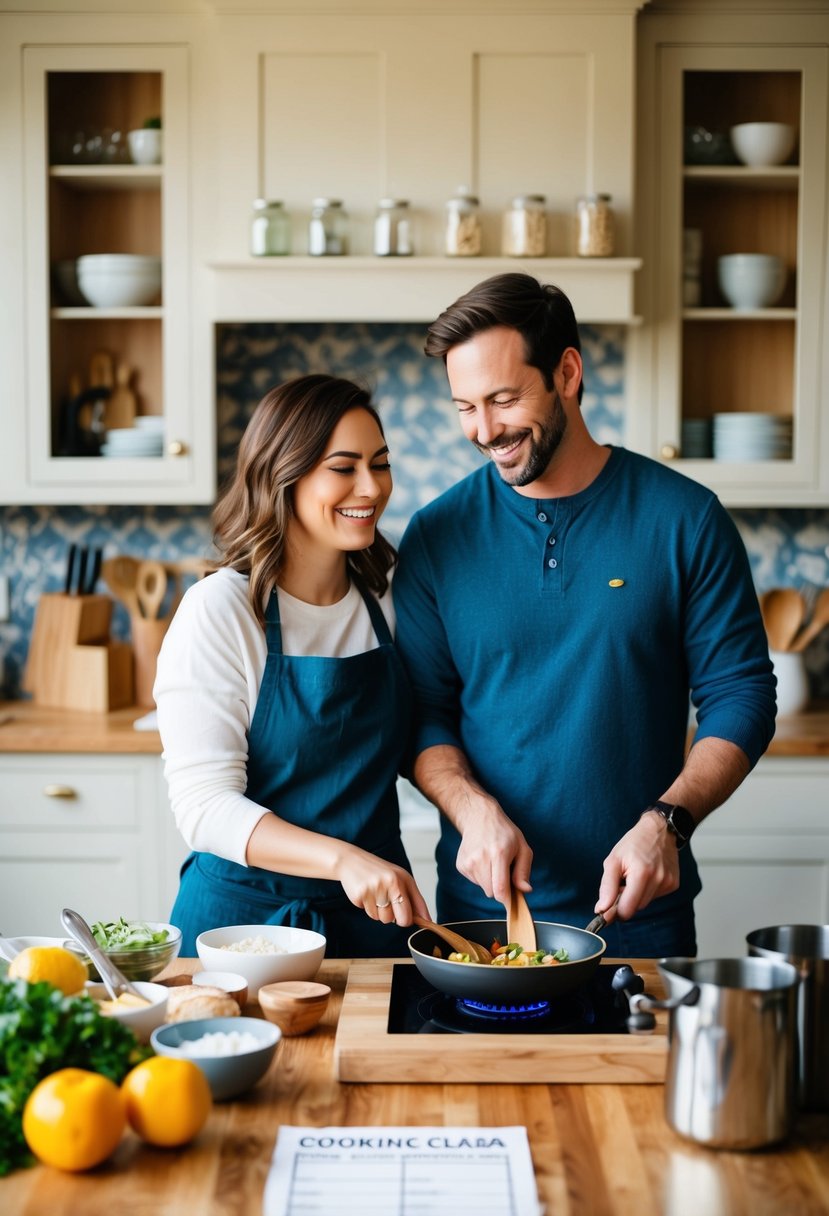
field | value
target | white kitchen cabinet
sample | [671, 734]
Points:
[90, 832]
[693, 359]
[764, 856]
[58, 79]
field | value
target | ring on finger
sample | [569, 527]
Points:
[399, 900]
[386, 905]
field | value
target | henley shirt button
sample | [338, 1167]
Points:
[542, 517]
[552, 563]
[551, 541]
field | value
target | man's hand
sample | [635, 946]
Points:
[493, 851]
[646, 861]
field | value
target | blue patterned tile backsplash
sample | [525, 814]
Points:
[785, 547]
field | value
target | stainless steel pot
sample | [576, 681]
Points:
[806, 947]
[732, 1063]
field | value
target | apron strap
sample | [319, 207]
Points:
[273, 630]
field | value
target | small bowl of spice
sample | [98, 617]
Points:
[233, 1053]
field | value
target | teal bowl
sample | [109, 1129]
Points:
[228, 1075]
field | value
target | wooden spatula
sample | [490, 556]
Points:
[520, 924]
[461, 945]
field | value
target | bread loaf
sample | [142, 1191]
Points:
[191, 1001]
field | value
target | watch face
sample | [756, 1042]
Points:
[682, 821]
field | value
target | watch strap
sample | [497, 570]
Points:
[679, 820]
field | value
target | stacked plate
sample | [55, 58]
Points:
[752, 437]
[146, 438]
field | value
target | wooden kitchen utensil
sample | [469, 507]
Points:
[460, 945]
[783, 610]
[818, 622]
[101, 374]
[520, 925]
[119, 574]
[150, 587]
[147, 635]
[119, 410]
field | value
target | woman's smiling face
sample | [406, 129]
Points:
[338, 504]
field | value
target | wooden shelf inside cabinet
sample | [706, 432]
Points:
[743, 177]
[143, 312]
[739, 314]
[108, 177]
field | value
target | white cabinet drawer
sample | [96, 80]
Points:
[72, 792]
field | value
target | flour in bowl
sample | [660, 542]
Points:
[222, 1043]
[255, 945]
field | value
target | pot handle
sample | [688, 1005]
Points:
[642, 1001]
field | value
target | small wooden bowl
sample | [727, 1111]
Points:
[294, 1005]
[231, 983]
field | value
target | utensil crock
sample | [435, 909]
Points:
[732, 1070]
[806, 947]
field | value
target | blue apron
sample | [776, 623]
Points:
[324, 748]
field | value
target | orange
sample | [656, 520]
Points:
[51, 964]
[73, 1119]
[168, 1100]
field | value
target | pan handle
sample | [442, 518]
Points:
[598, 922]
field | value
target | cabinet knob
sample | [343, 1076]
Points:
[669, 451]
[176, 448]
[59, 791]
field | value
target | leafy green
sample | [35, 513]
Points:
[41, 1030]
[124, 934]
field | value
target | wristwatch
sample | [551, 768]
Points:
[679, 821]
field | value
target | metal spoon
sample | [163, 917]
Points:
[113, 980]
[460, 945]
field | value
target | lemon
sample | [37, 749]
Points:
[168, 1100]
[74, 1119]
[52, 965]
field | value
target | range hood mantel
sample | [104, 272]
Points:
[405, 289]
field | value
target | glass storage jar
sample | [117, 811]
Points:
[393, 228]
[270, 229]
[328, 228]
[525, 227]
[463, 225]
[594, 226]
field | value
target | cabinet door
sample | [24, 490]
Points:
[83, 195]
[738, 388]
[88, 832]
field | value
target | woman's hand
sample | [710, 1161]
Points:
[384, 891]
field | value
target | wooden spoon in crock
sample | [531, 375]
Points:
[783, 610]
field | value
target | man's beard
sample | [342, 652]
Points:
[542, 450]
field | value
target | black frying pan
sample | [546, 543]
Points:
[508, 985]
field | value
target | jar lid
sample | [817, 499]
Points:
[259, 203]
[388, 203]
[521, 200]
[597, 198]
[327, 202]
[462, 199]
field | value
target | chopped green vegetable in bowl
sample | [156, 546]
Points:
[140, 949]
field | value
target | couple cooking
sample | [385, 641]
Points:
[528, 668]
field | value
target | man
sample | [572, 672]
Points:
[555, 609]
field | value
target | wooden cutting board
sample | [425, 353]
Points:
[365, 1051]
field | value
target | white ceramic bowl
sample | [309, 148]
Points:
[119, 280]
[145, 146]
[229, 1075]
[303, 949]
[763, 143]
[141, 1021]
[231, 982]
[751, 280]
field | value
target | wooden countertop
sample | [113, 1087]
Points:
[26, 728]
[598, 1150]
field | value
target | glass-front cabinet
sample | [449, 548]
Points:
[108, 402]
[735, 219]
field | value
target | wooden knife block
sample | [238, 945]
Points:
[72, 662]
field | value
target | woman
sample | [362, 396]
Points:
[282, 705]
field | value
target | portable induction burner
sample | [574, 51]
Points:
[394, 1026]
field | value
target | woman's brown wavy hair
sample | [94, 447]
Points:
[285, 439]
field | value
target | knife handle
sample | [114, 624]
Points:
[70, 569]
[82, 555]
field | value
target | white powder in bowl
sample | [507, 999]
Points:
[255, 945]
[222, 1043]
